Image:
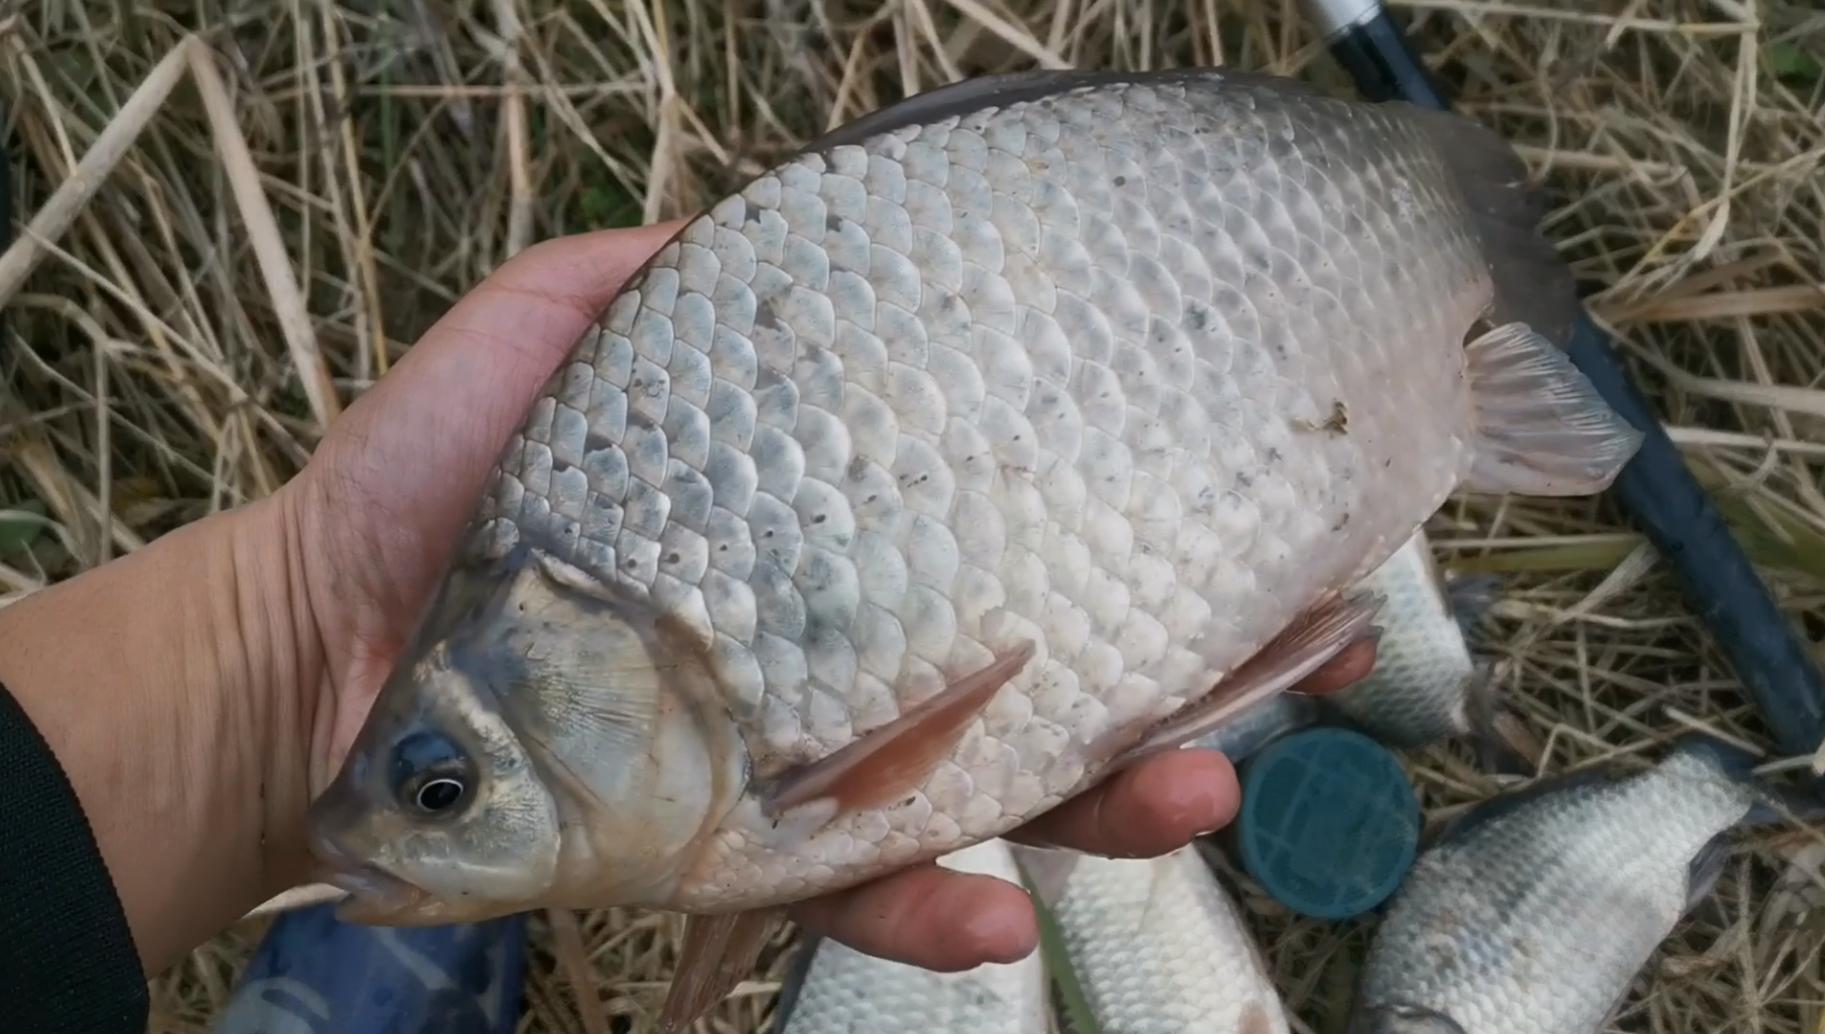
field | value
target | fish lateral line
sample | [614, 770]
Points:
[887, 763]
[1313, 639]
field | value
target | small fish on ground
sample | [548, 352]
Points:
[1426, 686]
[1534, 910]
[1153, 945]
[834, 989]
[989, 444]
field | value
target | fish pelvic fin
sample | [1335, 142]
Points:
[718, 952]
[1314, 638]
[891, 761]
[1541, 427]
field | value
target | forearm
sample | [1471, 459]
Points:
[168, 685]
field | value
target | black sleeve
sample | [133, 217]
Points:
[67, 960]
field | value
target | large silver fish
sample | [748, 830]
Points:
[1536, 909]
[1156, 945]
[834, 989]
[992, 441]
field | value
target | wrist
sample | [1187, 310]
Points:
[171, 685]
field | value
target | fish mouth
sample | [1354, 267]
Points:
[375, 896]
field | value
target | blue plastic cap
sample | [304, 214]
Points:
[1329, 823]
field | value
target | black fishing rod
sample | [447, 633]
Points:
[1655, 490]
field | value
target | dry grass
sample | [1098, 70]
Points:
[191, 319]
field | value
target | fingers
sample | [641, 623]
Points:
[930, 917]
[1155, 807]
[1346, 669]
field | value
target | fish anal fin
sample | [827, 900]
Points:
[1541, 426]
[886, 763]
[718, 952]
[1316, 637]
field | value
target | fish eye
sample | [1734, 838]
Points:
[440, 794]
[431, 774]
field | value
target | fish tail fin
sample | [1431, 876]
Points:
[1777, 804]
[1541, 426]
[1502, 743]
[1470, 598]
[1533, 284]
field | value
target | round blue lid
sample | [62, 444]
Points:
[1329, 822]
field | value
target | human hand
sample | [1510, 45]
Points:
[376, 514]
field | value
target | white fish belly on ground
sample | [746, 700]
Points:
[1158, 946]
[1536, 910]
[843, 991]
[1425, 686]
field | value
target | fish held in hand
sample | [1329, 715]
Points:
[1534, 911]
[1021, 427]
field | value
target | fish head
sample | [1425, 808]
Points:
[1403, 1019]
[543, 744]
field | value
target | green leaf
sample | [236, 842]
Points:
[1073, 1007]
[1792, 62]
[603, 204]
[21, 525]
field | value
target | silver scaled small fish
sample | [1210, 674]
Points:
[834, 989]
[1155, 945]
[988, 444]
[1535, 910]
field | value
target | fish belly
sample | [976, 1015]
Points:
[1135, 372]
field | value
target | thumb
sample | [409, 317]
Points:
[420, 443]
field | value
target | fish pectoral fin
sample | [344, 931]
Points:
[1541, 426]
[1314, 638]
[718, 951]
[886, 763]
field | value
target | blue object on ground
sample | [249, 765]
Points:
[1329, 822]
[315, 975]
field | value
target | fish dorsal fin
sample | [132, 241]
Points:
[891, 761]
[718, 952]
[971, 95]
[1314, 638]
[1541, 426]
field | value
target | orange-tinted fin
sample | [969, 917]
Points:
[1541, 426]
[718, 952]
[1317, 636]
[889, 762]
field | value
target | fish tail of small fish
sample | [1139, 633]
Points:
[1777, 804]
[1542, 428]
[1503, 744]
[1470, 598]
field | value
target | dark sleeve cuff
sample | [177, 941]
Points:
[67, 960]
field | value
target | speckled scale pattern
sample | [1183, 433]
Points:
[1113, 371]
[847, 992]
[1419, 690]
[1536, 921]
[1158, 946]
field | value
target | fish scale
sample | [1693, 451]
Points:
[1165, 392]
